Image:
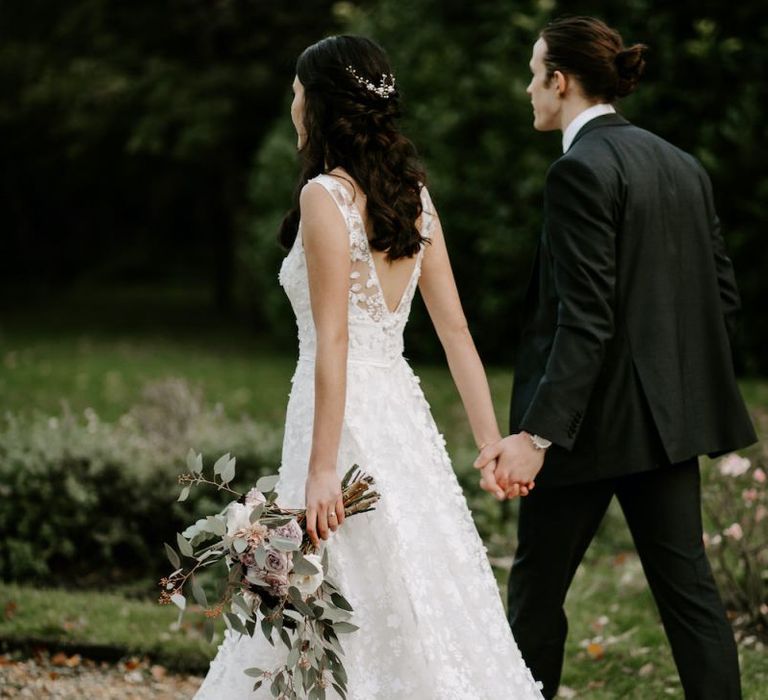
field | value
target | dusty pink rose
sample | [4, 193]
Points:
[290, 531]
[759, 476]
[277, 562]
[734, 465]
[257, 534]
[277, 583]
[734, 531]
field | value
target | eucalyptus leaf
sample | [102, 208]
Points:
[266, 628]
[240, 544]
[217, 524]
[267, 483]
[260, 555]
[236, 622]
[293, 615]
[228, 471]
[239, 604]
[184, 546]
[235, 573]
[293, 656]
[254, 672]
[198, 593]
[324, 562]
[302, 567]
[283, 544]
[341, 602]
[194, 462]
[172, 556]
[208, 630]
[184, 494]
[179, 601]
[337, 615]
[256, 513]
[344, 627]
[220, 463]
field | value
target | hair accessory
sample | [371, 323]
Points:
[384, 89]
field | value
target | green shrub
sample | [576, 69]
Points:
[735, 504]
[90, 502]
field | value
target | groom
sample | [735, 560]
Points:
[624, 372]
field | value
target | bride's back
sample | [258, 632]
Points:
[391, 276]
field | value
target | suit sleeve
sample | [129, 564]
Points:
[581, 235]
[730, 301]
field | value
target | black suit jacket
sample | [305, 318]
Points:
[625, 359]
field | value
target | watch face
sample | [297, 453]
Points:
[540, 442]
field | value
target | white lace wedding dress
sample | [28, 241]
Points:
[432, 626]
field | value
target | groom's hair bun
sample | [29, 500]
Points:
[587, 49]
[630, 65]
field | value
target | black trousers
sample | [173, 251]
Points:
[663, 510]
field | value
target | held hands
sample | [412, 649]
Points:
[509, 467]
[325, 506]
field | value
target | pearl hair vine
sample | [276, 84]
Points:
[384, 89]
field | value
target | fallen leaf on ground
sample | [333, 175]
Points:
[59, 659]
[595, 651]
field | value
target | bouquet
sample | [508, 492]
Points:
[275, 584]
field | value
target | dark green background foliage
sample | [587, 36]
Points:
[151, 142]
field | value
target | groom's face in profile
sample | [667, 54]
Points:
[543, 91]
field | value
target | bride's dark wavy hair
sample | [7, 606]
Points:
[352, 127]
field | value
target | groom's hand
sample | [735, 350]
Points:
[518, 463]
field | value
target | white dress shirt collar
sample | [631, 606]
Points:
[587, 115]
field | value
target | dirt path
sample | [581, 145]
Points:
[74, 678]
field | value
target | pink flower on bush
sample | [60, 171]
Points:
[760, 513]
[734, 531]
[759, 476]
[749, 496]
[734, 465]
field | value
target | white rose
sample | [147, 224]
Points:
[308, 584]
[238, 518]
[254, 497]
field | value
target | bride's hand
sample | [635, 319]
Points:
[325, 506]
[488, 481]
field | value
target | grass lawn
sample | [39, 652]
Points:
[616, 645]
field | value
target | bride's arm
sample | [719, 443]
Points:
[438, 289]
[326, 247]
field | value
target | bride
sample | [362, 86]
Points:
[362, 235]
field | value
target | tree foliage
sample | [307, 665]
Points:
[463, 69]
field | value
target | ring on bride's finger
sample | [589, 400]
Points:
[331, 515]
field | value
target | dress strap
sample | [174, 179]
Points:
[337, 191]
[428, 214]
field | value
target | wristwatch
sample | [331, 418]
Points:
[540, 443]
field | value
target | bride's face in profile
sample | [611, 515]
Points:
[297, 112]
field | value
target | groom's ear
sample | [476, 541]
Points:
[560, 81]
